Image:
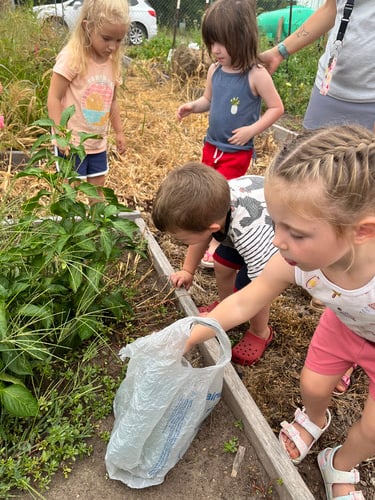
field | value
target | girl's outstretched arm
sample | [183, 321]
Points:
[241, 306]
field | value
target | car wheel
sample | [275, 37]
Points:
[137, 34]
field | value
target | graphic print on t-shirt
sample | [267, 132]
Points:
[97, 100]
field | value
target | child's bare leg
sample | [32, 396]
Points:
[316, 395]
[99, 182]
[358, 446]
[225, 280]
[213, 246]
[259, 323]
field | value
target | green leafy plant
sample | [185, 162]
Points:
[231, 446]
[157, 48]
[73, 395]
[295, 78]
[54, 257]
[239, 425]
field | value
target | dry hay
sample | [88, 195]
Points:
[189, 62]
[156, 144]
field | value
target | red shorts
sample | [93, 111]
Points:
[230, 165]
[334, 348]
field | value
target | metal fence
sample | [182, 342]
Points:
[187, 14]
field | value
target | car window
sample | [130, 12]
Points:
[46, 2]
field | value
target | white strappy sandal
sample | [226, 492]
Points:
[289, 430]
[333, 476]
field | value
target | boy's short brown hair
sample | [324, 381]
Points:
[191, 198]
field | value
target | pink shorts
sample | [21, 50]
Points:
[334, 348]
[230, 165]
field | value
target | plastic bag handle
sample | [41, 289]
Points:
[220, 334]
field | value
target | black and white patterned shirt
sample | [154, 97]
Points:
[249, 228]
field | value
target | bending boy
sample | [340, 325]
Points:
[195, 203]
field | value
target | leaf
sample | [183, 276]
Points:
[75, 277]
[126, 226]
[87, 327]
[44, 123]
[66, 115]
[110, 210]
[83, 136]
[31, 345]
[34, 172]
[32, 310]
[60, 243]
[84, 227]
[32, 203]
[89, 190]
[4, 292]
[87, 245]
[16, 362]
[19, 401]
[5, 377]
[106, 242]
[111, 198]
[3, 321]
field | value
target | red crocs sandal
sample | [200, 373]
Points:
[208, 308]
[250, 348]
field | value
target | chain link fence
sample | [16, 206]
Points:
[186, 15]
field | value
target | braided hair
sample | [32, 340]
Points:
[330, 173]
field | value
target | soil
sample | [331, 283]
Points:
[203, 473]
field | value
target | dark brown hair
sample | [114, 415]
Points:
[233, 23]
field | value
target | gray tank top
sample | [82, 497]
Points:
[233, 105]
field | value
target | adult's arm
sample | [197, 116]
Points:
[319, 23]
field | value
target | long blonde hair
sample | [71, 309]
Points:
[95, 13]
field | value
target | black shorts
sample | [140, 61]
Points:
[229, 257]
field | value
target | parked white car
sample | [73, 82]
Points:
[142, 15]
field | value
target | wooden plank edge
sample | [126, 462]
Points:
[283, 474]
[282, 134]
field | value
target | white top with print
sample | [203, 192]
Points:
[355, 308]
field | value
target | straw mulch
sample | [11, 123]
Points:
[156, 143]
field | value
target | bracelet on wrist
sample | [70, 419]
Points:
[186, 271]
[283, 51]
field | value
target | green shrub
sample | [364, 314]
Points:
[157, 48]
[54, 257]
[26, 60]
[295, 78]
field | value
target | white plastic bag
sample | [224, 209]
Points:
[161, 403]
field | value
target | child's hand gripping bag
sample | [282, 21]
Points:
[161, 403]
